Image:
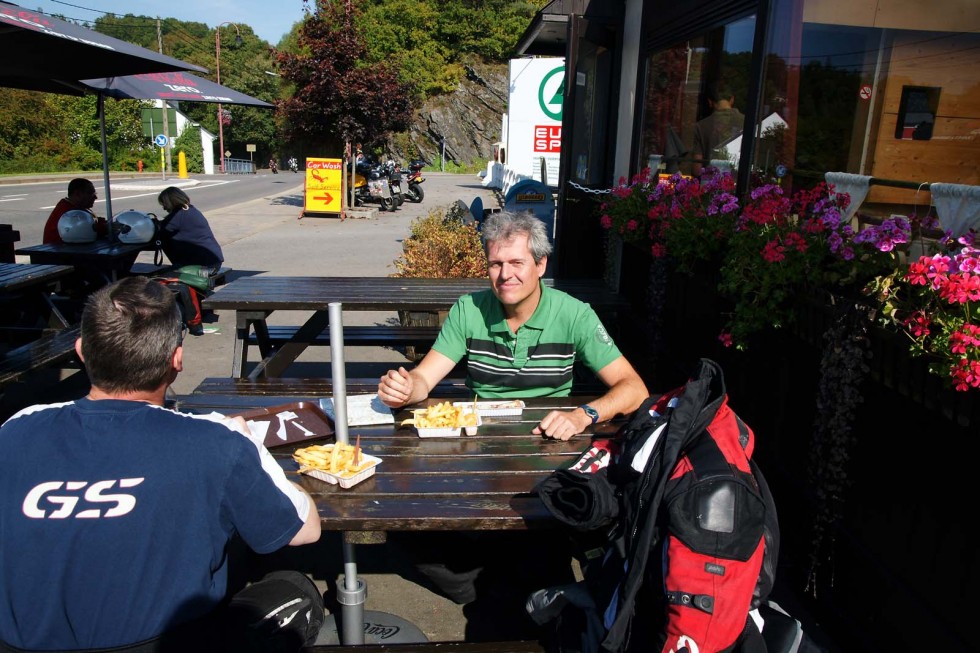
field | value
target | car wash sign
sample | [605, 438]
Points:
[537, 93]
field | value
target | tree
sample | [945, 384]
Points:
[339, 97]
[189, 142]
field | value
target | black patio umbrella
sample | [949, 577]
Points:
[43, 53]
[39, 52]
[168, 86]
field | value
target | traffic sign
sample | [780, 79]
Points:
[160, 140]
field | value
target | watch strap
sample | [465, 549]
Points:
[591, 412]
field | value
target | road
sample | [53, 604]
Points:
[26, 206]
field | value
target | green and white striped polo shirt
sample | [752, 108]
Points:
[537, 361]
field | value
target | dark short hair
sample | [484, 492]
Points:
[173, 198]
[78, 185]
[505, 225]
[130, 330]
[718, 91]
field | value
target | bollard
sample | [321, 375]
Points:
[181, 165]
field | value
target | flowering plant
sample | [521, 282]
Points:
[678, 217]
[935, 301]
[784, 246]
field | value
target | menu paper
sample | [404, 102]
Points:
[362, 410]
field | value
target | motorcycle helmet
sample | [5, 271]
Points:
[135, 227]
[77, 226]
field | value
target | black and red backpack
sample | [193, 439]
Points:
[688, 529]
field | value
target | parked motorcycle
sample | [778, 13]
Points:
[371, 185]
[293, 164]
[413, 181]
[393, 171]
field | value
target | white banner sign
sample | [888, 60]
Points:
[537, 88]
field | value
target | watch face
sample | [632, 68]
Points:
[591, 412]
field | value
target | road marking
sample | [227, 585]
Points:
[129, 197]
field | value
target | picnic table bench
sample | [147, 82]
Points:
[53, 349]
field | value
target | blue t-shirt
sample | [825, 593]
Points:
[187, 239]
[115, 517]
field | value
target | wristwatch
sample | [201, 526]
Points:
[591, 412]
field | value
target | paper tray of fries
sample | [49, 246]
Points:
[444, 420]
[318, 461]
[499, 408]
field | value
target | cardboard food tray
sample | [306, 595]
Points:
[299, 421]
[498, 408]
[347, 479]
[449, 432]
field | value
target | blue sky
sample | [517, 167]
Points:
[269, 19]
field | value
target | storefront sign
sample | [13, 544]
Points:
[533, 131]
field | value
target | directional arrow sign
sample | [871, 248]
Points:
[160, 140]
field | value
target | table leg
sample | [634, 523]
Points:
[244, 322]
[275, 363]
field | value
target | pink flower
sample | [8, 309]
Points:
[773, 252]
[605, 221]
[658, 250]
[725, 338]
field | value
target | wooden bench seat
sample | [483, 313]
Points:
[433, 647]
[152, 270]
[373, 335]
[55, 349]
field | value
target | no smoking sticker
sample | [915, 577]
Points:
[865, 92]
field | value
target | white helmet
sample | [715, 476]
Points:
[135, 228]
[77, 226]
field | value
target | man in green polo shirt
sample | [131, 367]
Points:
[521, 338]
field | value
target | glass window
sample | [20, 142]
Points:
[881, 88]
[694, 94]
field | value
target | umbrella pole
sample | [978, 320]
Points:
[105, 164]
[354, 591]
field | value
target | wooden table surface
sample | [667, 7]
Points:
[111, 257]
[272, 293]
[18, 276]
[255, 298]
[481, 482]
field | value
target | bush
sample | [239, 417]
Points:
[441, 246]
[189, 142]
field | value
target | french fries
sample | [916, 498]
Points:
[442, 416]
[332, 458]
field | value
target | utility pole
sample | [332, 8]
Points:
[163, 104]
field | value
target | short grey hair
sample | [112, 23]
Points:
[172, 198]
[505, 225]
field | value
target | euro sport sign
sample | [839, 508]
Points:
[547, 138]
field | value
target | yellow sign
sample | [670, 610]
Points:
[322, 192]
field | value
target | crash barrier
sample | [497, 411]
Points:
[239, 167]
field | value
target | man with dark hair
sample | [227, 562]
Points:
[723, 124]
[82, 196]
[117, 514]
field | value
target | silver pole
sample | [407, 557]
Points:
[353, 594]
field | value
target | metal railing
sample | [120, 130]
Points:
[239, 167]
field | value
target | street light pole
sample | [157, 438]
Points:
[217, 68]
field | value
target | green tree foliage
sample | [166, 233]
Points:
[339, 96]
[189, 142]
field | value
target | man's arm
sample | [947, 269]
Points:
[400, 387]
[626, 392]
[310, 531]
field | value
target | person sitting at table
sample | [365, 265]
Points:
[520, 339]
[81, 196]
[186, 238]
[118, 514]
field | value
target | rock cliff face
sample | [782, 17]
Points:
[468, 119]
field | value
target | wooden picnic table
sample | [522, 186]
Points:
[109, 258]
[254, 298]
[25, 289]
[28, 276]
[481, 482]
